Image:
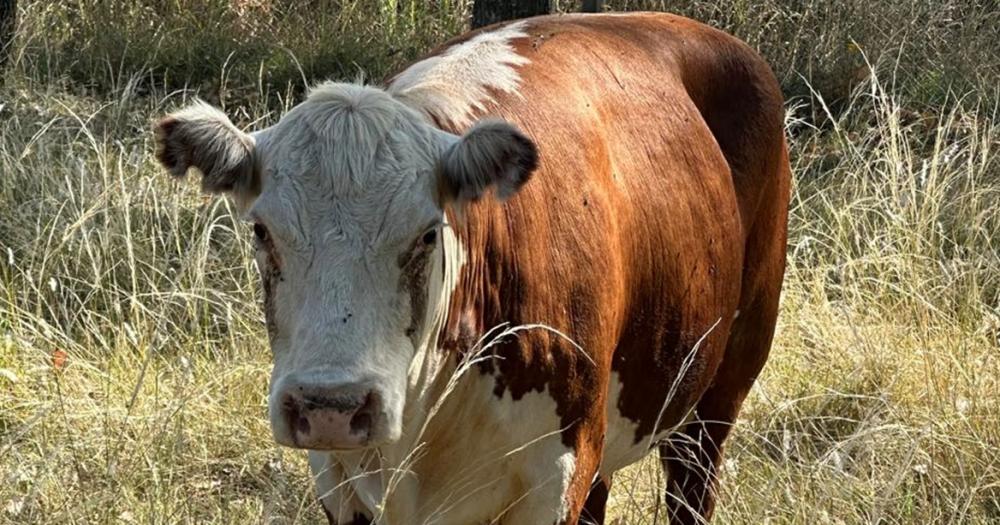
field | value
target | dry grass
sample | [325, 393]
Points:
[881, 402]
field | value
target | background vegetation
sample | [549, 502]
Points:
[133, 360]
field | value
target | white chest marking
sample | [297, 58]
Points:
[620, 446]
[482, 457]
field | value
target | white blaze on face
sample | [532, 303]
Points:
[453, 85]
[349, 207]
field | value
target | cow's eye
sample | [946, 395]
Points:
[260, 232]
[429, 237]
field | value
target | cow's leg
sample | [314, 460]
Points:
[597, 501]
[556, 487]
[578, 493]
[338, 500]
[691, 457]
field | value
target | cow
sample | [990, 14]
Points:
[514, 267]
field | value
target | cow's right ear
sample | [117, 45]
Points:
[202, 137]
[492, 154]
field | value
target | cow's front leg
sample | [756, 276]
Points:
[340, 504]
[555, 489]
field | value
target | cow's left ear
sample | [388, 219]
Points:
[493, 153]
[202, 137]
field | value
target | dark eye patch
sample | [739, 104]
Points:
[270, 274]
[415, 265]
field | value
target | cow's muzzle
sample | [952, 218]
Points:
[326, 417]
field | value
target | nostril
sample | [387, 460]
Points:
[293, 415]
[361, 421]
[302, 425]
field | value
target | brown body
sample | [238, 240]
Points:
[652, 234]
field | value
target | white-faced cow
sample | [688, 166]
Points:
[621, 180]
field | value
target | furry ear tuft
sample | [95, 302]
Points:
[202, 137]
[492, 153]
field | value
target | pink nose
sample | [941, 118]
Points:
[328, 418]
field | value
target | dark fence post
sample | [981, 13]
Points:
[486, 12]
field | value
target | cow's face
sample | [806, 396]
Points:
[346, 195]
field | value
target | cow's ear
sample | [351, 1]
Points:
[493, 153]
[202, 137]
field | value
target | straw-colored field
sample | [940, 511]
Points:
[133, 358]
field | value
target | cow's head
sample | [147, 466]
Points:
[346, 195]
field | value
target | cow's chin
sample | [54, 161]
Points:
[333, 443]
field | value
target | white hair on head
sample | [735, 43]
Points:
[454, 84]
[351, 128]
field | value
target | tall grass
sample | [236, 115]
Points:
[232, 51]
[133, 361]
[937, 48]
[242, 51]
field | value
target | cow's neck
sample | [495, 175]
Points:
[446, 355]
[457, 328]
